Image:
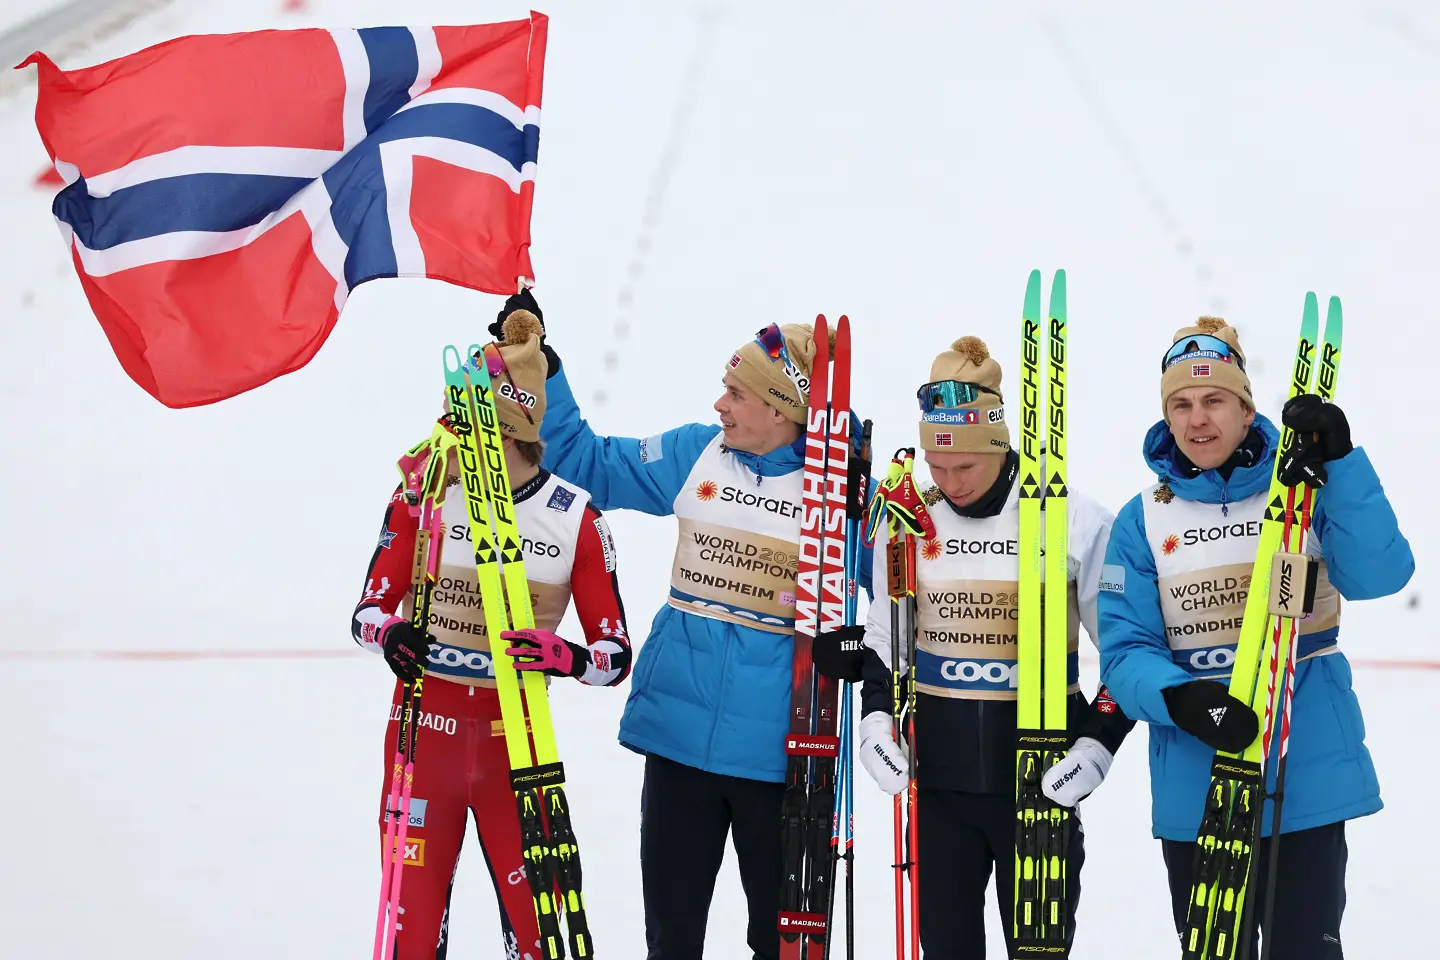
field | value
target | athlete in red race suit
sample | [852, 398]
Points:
[461, 762]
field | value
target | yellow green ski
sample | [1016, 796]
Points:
[552, 862]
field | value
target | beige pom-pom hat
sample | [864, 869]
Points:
[974, 425]
[1205, 355]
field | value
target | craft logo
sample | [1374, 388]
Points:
[1170, 544]
[1200, 370]
[561, 500]
[706, 490]
[931, 550]
[944, 439]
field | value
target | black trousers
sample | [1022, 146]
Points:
[962, 836]
[685, 815]
[1309, 891]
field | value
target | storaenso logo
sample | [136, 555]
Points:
[784, 508]
[1004, 548]
[1056, 448]
[1029, 389]
[1248, 528]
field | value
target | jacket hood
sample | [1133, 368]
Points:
[1209, 487]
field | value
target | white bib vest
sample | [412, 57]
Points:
[1204, 555]
[739, 544]
[967, 598]
[549, 522]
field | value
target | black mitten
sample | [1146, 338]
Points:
[838, 653]
[1205, 710]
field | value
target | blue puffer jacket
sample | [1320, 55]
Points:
[706, 693]
[1329, 775]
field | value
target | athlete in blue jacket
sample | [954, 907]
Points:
[1172, 596]
[710, 693]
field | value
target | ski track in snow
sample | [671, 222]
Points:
[907, 167]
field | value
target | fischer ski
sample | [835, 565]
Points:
[423, 490]
[552, 861]
[1221, 919]
[1042, 827]
[821, 589]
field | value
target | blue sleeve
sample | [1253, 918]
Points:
[1365, 553]
[1135, 661]
[618, 472]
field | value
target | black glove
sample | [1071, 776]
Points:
[1205, 710]
[1321, 434]
[406, 649]
[525, 300]
[838, 653]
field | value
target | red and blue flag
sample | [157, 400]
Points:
[224, 194]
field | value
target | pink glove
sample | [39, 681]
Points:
[544, 651]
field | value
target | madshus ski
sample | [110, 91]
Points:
[552, 859]
[812, 745]
[1042, 827]
[1221, 921]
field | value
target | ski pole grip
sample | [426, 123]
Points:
[1292, 585]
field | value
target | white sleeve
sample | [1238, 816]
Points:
[877, 619]
[1089, 536]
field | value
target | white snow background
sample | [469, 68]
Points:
[704, 170]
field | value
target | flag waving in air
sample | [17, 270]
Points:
[224, 194]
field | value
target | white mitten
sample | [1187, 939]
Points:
[1078, 773]
[885, 760]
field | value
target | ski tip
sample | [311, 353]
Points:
[1311, 302]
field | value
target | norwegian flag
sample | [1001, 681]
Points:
[226, 193]
[1200, 370]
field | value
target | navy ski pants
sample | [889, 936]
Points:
[1309, 891]
[685, 816]
[963, 837]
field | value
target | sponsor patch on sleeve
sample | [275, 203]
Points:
[1112, 577]
[607, 543]
[652, 448]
